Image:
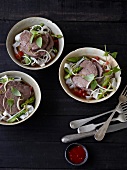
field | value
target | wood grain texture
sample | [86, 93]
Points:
[36, 143]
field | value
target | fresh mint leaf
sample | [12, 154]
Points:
[15, 91]
[89, 77]
[39, 42]
[93, 84]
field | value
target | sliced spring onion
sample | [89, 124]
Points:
[27, 60]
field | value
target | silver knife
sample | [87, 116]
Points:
[73, 137]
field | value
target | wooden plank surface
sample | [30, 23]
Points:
[36, 143]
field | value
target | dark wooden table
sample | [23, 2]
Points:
[36, 143]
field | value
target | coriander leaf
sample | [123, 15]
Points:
[10, 102]
[15, 92]
[89, 77]
[114, 54]
[93, 84]
[39, 42]
[31, 38]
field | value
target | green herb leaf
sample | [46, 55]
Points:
[93, 84]
[74, 59]
[15, 92]
[106, 53]
[10, 102]
[3, 80]
[114, 54]
[89, 77]
[39, 42]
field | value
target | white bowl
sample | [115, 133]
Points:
[88, 51]
[26, 23]
[28, 79]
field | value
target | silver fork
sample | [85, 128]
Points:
[102, 130]
[87, 128]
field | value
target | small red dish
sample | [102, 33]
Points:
[76, 154]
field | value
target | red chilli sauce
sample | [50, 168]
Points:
[76, 154]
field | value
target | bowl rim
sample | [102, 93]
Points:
[76, 144]
[76, 97]
[35, 68]
[37, 105]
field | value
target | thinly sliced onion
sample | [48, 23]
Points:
[17, 78]
[15, 45]
[79, 62]
[88, 97]
[95, 93]
[18, 106]
[66, 65]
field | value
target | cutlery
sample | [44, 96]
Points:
[102, 130]
[111, 128]
[87, 128]
[77, 123]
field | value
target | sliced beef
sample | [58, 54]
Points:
[99, 69]
[79, 82]
[25, 91]
[12, 110]
[31, 49]
[50, 44]
[88, 68]
[1, 102]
